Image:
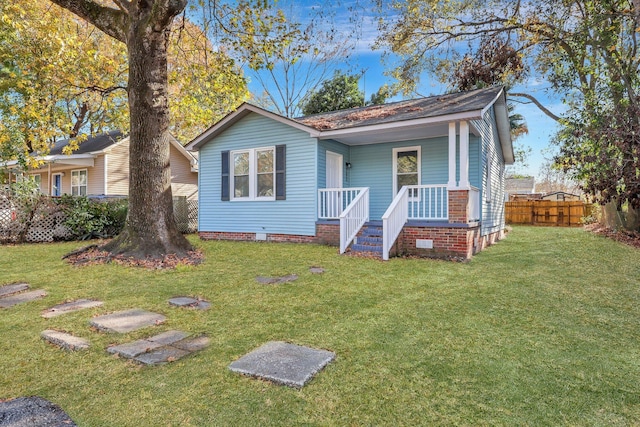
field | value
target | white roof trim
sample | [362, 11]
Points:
[236, 115]
[468, 115]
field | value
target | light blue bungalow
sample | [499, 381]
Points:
[422, 177]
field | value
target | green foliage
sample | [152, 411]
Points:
[586, 49]
[342, 91]
[290, 50]
[88, 218]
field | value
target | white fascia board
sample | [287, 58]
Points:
[235, 116]
[467, 115]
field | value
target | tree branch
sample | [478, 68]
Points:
[112, 22]
[537, 103]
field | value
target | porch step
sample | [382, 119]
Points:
[369, 240]
[366, 248]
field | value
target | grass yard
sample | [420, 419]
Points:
[540, 329]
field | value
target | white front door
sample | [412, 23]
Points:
[334, 170]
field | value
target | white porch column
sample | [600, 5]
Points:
[464, 156]
[452, 156]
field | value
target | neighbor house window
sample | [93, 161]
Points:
[79, 182]
[37, 179]
[253, 174]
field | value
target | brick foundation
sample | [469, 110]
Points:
[249, 237]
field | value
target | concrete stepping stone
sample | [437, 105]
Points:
[136, 348]
[273, 280]
[160, 349]
[69, 307]
[188, 302]
[22, 297]
[33, 412]
[127, 321]
[65, 340]
[283, 363]
[13, 288]
[161, 356]
[316, 270]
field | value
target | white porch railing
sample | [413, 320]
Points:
[473, 206]
[333, 201]
[353, 217]
[394, 220]
[428, 202]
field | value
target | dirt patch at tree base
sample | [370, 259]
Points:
[94, 255]
[631, 238]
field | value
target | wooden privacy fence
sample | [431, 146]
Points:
[547, 212]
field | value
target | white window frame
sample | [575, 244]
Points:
[86, 185]
[253, 174]
[37, 178]
[397, 150]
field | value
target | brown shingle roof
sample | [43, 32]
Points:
[432, 106]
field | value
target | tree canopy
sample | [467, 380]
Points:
[586, 49]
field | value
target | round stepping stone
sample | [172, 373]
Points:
[316, 270]
[283, 363]
[188, 302]
[65, 340]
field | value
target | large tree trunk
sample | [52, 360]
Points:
[150, 229]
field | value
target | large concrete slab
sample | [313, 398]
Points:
[70, 306]
[13, 288]
[283, 363]
[64, 340]
[20, 298]
[127, 321]
[32, 412]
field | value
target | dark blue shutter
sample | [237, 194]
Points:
[225, 176]
[281, 165]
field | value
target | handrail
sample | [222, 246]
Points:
[428, 202]
[394, 220]
[333, 201]
[354, 216]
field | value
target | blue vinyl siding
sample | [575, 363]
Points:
[295, 215]
[491, 174]
[372, 166]
[338, 148]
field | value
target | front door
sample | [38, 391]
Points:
[335, 200]
[334, 170]
[56, 189]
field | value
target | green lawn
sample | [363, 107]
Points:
[540, 329]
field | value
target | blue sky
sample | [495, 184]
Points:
[541, 127]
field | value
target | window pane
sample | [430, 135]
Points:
[408, 162]
[407, 179]
[82, 178]
[241, 164]
[241, 186]
[265, 185]
[74, 178]
[265, 161]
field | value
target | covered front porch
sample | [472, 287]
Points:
[421, 207]
[424, 182]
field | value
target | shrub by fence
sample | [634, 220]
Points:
[547, 212]
[44, 219]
